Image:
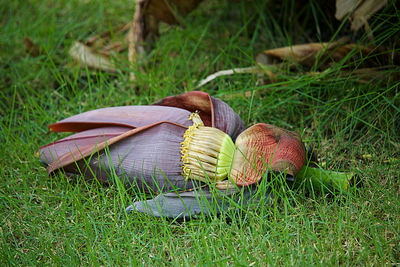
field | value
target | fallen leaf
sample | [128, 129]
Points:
[145, 24]
[344, 7]
[303, 54]
[86, 57]
[105, 36]
[360, 11]
[169, 11]
[325, 55]
[116, 47]
[31, 48]
[363, 62]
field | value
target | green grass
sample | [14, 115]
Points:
[62, 221]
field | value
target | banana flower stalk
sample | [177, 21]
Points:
[178, 143]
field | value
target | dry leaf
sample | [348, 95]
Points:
[364, 62]
[304, 54]
[148, 14]
[169, 11]
[116, 47]
[86, 57]
[360, 11]
[344, 7]
[95, 51]
[327, 54]
[31, 48]
[100, 39]
[365, 11]
[365, 75]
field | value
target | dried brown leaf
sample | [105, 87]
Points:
[86, 57]
[304, 53]
[148, 14]
[360, 11]
[363, 62]
[327, 54]
[116, 46]
[365, 75]
[105, 36]
[344, 7]
[31, 48]
[169, 11]
[365, 11]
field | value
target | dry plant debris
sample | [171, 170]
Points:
[96, 51]
[359, 11]
[143, 30]
[31, 48]
[359, 61]
[145, 24]
[86, 57]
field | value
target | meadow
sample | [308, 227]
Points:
[59, 220]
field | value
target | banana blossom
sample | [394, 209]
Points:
[178, 143]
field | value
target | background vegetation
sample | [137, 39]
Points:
[59, 220]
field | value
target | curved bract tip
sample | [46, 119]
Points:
[262, 147]
[213, 112]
